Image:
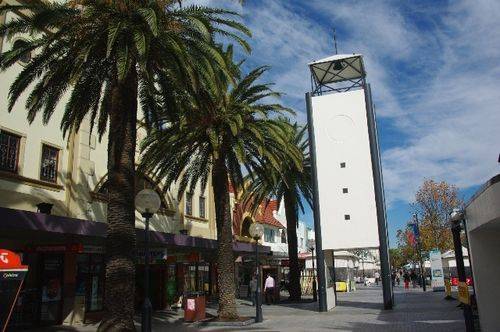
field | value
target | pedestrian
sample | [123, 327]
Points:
[413, 278]
[377, 277]
[393, 278]
[253, 290]
[269, 289]
[406, 279]
[398, 280]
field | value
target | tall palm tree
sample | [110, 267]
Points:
[290, 184]
[108, 55]
[222, 129]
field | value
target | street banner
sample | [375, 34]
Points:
[12, 274]
[463, 292]
[346, 190]
[437, 282]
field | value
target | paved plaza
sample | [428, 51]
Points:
[356, 311]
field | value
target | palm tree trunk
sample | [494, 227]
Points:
[120, 242]
[225, 257]
[291, 232]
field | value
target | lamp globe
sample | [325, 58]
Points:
[256, 230]
[147, 201]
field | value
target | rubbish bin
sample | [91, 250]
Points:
[194, 309]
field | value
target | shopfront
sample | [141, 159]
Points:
[65, 283]
[174, 274]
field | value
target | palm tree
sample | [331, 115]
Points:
[108, 55]
[222, 129]
[290, 184]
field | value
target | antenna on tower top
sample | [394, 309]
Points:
[335, 40]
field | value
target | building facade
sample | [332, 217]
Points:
[53, 198]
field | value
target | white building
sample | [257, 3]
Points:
[304, 233]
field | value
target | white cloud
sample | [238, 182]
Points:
[434, 70]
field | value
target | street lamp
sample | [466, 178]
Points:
[256, 231]
[311, 244]
[457, 216]
[147, 202]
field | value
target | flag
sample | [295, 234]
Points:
[411, 238]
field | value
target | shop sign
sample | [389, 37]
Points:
[75, 247]
[155, 254]
[193, 257]
[90, 249]
[437, 282]
[12, 274]
[463, 292]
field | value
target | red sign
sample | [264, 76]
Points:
[12, 274]
[454, 281]
[193, 257]
[10, 260]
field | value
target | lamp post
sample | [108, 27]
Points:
[256, 231]
[311, 245]
[457, 217]
[147, 202]
[416, 231]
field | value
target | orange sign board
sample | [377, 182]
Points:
[463, 292]
[447, 287]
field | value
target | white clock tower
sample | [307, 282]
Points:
[349, 207]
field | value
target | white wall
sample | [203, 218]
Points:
[341, 136]
[276, 246]
[302, 230]
[23, 194]
[483, 230]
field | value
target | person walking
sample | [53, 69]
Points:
[406, 279]
[269, 289]
[398, 280]
[393, 278]
[377, 277]
[253, 290]
[413, 278]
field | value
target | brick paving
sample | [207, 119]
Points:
[357, 311]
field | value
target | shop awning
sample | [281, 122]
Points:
[20, 224]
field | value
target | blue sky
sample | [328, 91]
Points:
[435, 74]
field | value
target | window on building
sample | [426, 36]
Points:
[269, 234]
[189, 204]
[345, 190]
[48, 168]
[21, 44]
[342, 165]
[347, 217]
[202, 207]
[9, 151]
[283, 236]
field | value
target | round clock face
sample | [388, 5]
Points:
[340, 128]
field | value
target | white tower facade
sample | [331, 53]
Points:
[344, 167]
[349, 207]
